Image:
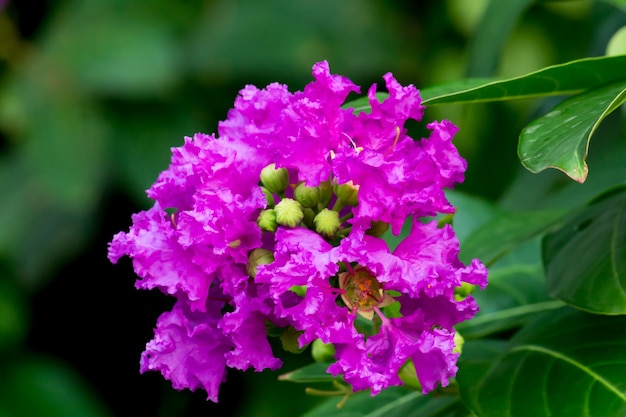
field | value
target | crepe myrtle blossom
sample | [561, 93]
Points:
[276, 223]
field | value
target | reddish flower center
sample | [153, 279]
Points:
[362, 291]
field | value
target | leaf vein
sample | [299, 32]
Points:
[597, 377]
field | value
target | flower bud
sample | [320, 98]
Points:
[408, 375]
[307, 196]
[267, 220]
[327, 222]
[377, 228]
[322, 352]
[458, 343]
[269, 197]
[258, 257]
[348, 193]
[275, 180]
[299, 289]
[460, 293]
[288, 212]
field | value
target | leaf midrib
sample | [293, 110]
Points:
[557, 355]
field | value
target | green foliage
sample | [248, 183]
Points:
[564, 362]
[586, 257]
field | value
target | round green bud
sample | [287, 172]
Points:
[309, 197]
[460, 293]
[327, 222]
[347, 193]
[269, 197]
[275, 180]
[377, 228]
[267, 220]
[458, 343]
[408, 375]
[299, 289]
[258, 257]
[617, 44]
[288, 212]
[322, 352]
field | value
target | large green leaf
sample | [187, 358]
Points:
[477, 357]
[564, 363]
[393, 402]
[506, 232]
[315, 372]
[497, 22]
[560, 139]
[568, 78]
[585, 259]
[514, 294]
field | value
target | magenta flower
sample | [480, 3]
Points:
[278, 220]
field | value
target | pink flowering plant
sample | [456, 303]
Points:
[278, 224]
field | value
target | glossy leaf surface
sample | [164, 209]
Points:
[562, 79]
[393, 402]
[560, 138]
[565, 363]
[585, 259]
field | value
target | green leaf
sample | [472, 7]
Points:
[506, 232]
[40, 386]
[585, 259]
[564, 363]
[514, 294]
[471, 213]
[562, 79]
[392, 402]
[496, 23]
[477, 357]
[316, 372]
[362, 104]
[560, 139]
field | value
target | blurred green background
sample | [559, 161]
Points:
[94, 93]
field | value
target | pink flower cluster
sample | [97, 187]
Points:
[318, 266]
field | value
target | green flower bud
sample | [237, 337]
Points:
[377, 228]
[408, 375]
[288, 212]
[299, 289]
[275, 180]
[458, 343]
[322, 352]
[617, 44]
[348, 193]
[327, 222]
[307, 196]
[269, 197]
[460, 293]
[258, 257]
[267, 220]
